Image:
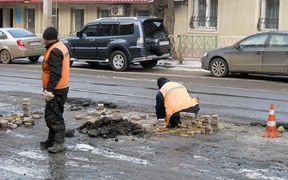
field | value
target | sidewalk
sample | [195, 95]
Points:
[187, 64]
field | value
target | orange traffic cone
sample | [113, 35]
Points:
[271, 130]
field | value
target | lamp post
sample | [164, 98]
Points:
[47, 14]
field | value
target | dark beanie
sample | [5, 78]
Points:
[161, 81]
[50, 33]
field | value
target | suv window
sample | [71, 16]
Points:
[126, 29]
[151, 27]
[91, 30]
[108, 29]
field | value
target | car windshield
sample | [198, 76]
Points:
[19, 33]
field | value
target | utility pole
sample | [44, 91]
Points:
[47, 14]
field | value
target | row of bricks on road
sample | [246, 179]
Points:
[189, 126]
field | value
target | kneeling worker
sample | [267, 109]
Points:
[171, 99]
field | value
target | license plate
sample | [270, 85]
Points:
[163, 43]
[35, 44]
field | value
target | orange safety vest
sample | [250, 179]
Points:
[176, 98]
[64, 80]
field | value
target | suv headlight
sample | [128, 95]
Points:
[205, 54]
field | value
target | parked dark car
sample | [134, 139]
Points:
[19, 43]
[261, 53]
[120, 41]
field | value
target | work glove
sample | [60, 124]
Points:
[198, 99]
[48, 96]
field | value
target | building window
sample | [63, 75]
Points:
[204, 14]
[269, 16]
[30, 19]
[55, 18]
[77, 19]
[103, 12]
[142, 12]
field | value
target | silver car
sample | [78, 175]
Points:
[262, 53]
[19, 43]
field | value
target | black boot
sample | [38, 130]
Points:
[173, 125]
[57, 148]
[50, 141]
[59, 142]
[46, 144]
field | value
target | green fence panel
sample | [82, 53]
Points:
[193, 46]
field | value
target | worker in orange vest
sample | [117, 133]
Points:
[171, 99]
[55, 80]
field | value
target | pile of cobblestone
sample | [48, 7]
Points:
[191, 125]
[15, 120]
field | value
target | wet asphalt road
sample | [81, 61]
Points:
[246, 97]
[236, 152]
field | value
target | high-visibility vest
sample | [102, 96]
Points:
[64, 80]
[176, 98]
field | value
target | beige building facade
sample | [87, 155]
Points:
[234, 17]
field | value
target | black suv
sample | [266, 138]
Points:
[120, 41]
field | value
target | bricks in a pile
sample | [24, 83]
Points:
[191, 124]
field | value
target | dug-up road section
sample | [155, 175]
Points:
[234, 152]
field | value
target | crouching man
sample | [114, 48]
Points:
[171, 99]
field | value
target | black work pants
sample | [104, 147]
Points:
[175, 118]
[54, 110]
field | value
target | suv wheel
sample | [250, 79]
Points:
[118, 61]
[219, 67]
[148, 64]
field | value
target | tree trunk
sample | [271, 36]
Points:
[165, 9]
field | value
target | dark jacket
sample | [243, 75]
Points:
[55, 65]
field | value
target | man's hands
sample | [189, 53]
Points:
[48, 96]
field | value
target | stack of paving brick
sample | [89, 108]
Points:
[160, 127]
[187, 124]
[25, 107]
[190, 125]
[210, 123]
[215, 122]
[206, 124]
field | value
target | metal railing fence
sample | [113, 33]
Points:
[193, 46]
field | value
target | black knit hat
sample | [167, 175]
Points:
[50, 33]
[161, 81]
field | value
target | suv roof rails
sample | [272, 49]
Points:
[141, 18]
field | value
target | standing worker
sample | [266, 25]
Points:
[55, 79]
[171, 99]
